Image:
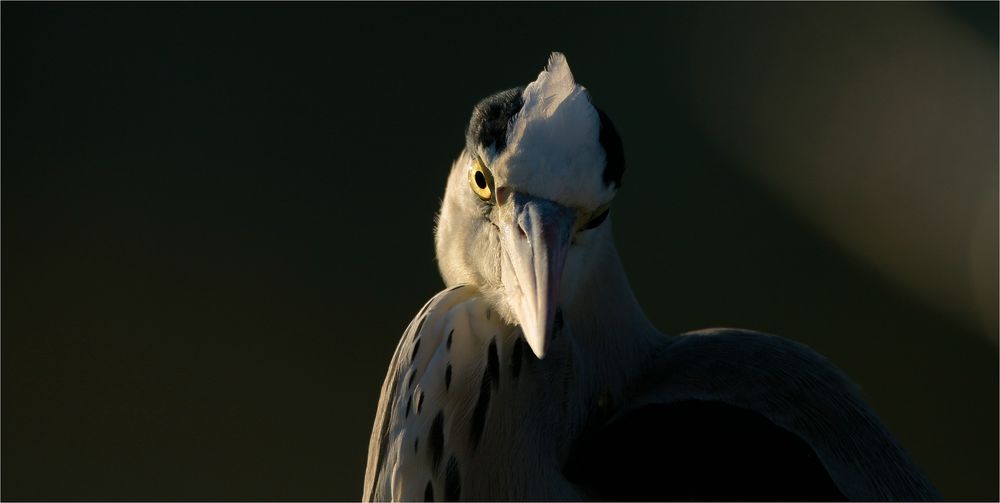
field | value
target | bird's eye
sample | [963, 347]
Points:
[594, 222]
[481, 180]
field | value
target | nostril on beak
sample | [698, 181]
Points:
[520, 230]
[502, 193]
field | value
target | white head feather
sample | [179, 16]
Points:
[553, 149]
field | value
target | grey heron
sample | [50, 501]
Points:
[536, 375]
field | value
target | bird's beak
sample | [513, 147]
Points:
[535, 242]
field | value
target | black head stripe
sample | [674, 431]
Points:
[612, 143]
[490, 119]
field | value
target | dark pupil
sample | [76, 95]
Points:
[480, 180]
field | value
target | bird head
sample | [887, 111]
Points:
[526, 204]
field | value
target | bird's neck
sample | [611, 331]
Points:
[609, 328]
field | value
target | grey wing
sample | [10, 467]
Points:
[740, 415]
[383, 473]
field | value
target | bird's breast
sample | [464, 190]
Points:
[468, 411]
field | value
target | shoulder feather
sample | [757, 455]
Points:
[794, 388]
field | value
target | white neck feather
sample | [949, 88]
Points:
[607, 323]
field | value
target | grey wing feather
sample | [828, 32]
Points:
[387, 418]
[377, 444]
[796, 389]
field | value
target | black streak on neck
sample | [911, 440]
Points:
[490, 377]
[437, 441]
[452, 481]
[429, 492]
[493, 363]
[516, 354]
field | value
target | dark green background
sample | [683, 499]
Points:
[217, 220]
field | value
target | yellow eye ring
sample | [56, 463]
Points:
[481, 180]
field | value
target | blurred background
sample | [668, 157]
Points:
[217, 218]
